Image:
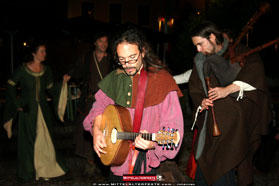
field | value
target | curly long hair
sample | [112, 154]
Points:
[134, 36]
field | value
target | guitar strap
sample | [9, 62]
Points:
[97, 65]
[142, 84]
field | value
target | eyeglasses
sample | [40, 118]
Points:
[130, 60]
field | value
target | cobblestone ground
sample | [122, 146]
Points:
[82, 174]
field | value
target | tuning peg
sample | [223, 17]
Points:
[168, 146]
[173, 145]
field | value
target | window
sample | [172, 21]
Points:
[143, 15]
[87, 9]
[115, 12]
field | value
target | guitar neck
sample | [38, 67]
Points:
[133, 135]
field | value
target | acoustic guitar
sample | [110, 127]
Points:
[116, 126]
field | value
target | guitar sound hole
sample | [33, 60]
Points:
[113, 136]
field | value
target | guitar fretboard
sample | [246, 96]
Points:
[133, 135]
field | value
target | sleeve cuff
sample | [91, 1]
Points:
[183, 78]
[243, 87]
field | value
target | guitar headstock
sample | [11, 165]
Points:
[170, 137]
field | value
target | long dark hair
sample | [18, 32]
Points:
[134, 36]
[206, 28]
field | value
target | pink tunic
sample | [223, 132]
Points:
[166, 114]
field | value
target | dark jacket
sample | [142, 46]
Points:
[241, 123]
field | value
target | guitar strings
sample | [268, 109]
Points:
[129, 134]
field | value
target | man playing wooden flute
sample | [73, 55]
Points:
[240, 99]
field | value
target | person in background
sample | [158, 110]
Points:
[120, 87]
[36, 153]
[89, 69]
[241, 106]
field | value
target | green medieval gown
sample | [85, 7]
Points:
[36, 153]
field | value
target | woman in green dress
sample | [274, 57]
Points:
[37, 157]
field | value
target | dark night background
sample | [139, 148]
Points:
[47, 19]
[68, 35]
